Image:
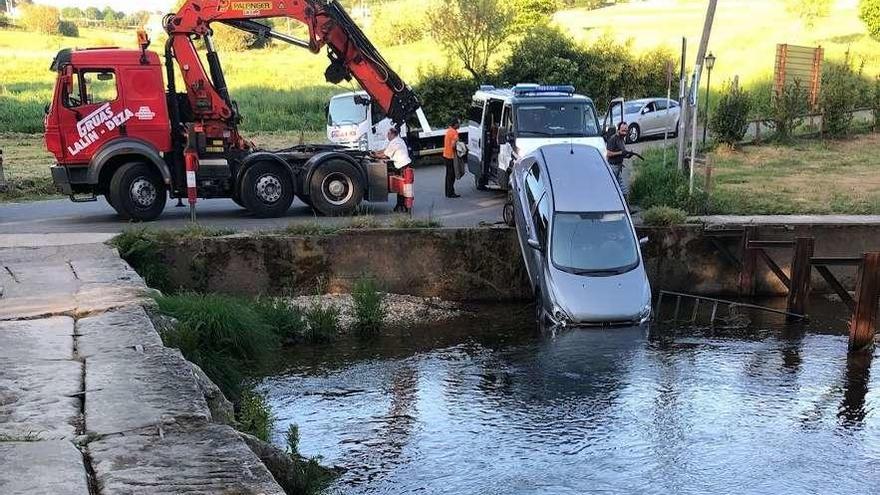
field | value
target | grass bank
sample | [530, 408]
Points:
[805, 177]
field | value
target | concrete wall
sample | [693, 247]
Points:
[473, 264]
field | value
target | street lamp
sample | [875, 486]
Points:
[710, 62]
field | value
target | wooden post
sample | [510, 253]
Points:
[800, 275]
[709, 162]
[861, 327]
[749, 263]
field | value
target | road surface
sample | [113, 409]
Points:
[62, 216]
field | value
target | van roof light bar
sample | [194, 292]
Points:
[487, 87]
[533, 89]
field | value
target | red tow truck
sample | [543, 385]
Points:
[118, 126]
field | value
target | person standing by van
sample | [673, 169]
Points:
[449, 149]
[398, 153]
[616, 152]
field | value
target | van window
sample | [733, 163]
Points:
[344, 110]
[596, 243]
[475, 112]
[563, 119]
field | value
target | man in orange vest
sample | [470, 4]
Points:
[449, 143]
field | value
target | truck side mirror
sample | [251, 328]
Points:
[533, 243]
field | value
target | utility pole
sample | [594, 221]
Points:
[698, 67]
[682, 106]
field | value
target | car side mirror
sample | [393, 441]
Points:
[645, 110]
[643, 241]
[534, 244]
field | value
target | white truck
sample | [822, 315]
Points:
[353, 121]
[504, 124]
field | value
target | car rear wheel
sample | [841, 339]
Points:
[137, 192]
[632, 136]
[267, 189]
[336, 188]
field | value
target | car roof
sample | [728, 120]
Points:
[579, 178]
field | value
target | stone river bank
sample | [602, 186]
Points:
[91, 402]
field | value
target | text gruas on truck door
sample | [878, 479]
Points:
[93, 126]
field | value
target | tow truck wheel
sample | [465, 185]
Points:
[137, 192]
[336, 188]
[267, 189]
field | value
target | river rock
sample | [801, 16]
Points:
[54, 467]
[181, 460]
[221, 409]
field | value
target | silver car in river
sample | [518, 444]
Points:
[577, 239]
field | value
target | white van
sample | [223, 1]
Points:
[355, 123]
[505, 124]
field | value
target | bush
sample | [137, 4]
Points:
[4, 20]
[730, 119]
[286, 321]
[254, 415]
[68, 28]
[369, 307]
[869, 13]
[875, 102]
[224, 335]
[662, 216]
[235, 40]
[662, 184]
[307, 476]
[323, 322]
[41, 19]
[444, 94]
[840, 93]
[788, 109]
[139, 248]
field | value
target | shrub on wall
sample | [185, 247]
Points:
[68, 28]
[444, 94]
[841, 91]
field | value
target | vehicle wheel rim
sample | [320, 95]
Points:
[633, 134]
[269, 189]
[337, 188]
[143, 192]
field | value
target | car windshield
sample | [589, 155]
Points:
[599, 243]
[344, 110]
[631, 108]
[571, 119]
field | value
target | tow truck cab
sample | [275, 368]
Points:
[108, 103]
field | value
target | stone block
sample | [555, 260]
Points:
[43, 339]
[31, 468]
[38, 399]
[116, 330]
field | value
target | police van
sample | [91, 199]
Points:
[505, 124]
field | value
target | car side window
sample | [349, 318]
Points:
[649, 108]
[74, 97]
[99, 86]
[539, 218]
[660, 104]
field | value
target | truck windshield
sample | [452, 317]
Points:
[600, 243]
[563, 119]
[344, 110]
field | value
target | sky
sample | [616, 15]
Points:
[123, 5]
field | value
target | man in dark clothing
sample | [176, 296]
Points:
[616, 152]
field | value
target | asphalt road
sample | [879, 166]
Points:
[63, 216]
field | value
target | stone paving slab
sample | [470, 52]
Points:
[128, 390]
[38, 399]
[185, 460]
[72, 280]
[45, 339]
[117, 330]
[37, 468]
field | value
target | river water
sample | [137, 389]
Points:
[499, 408]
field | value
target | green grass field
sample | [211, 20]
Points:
[744, 34]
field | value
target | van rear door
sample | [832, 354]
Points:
[476, 118]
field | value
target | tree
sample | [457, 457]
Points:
[731, 118]
[471, 30]
[531, 13]
[92, 13]
[869, 13]
[809, 10]
[41, 18]
[109, 15]
[71, 13]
